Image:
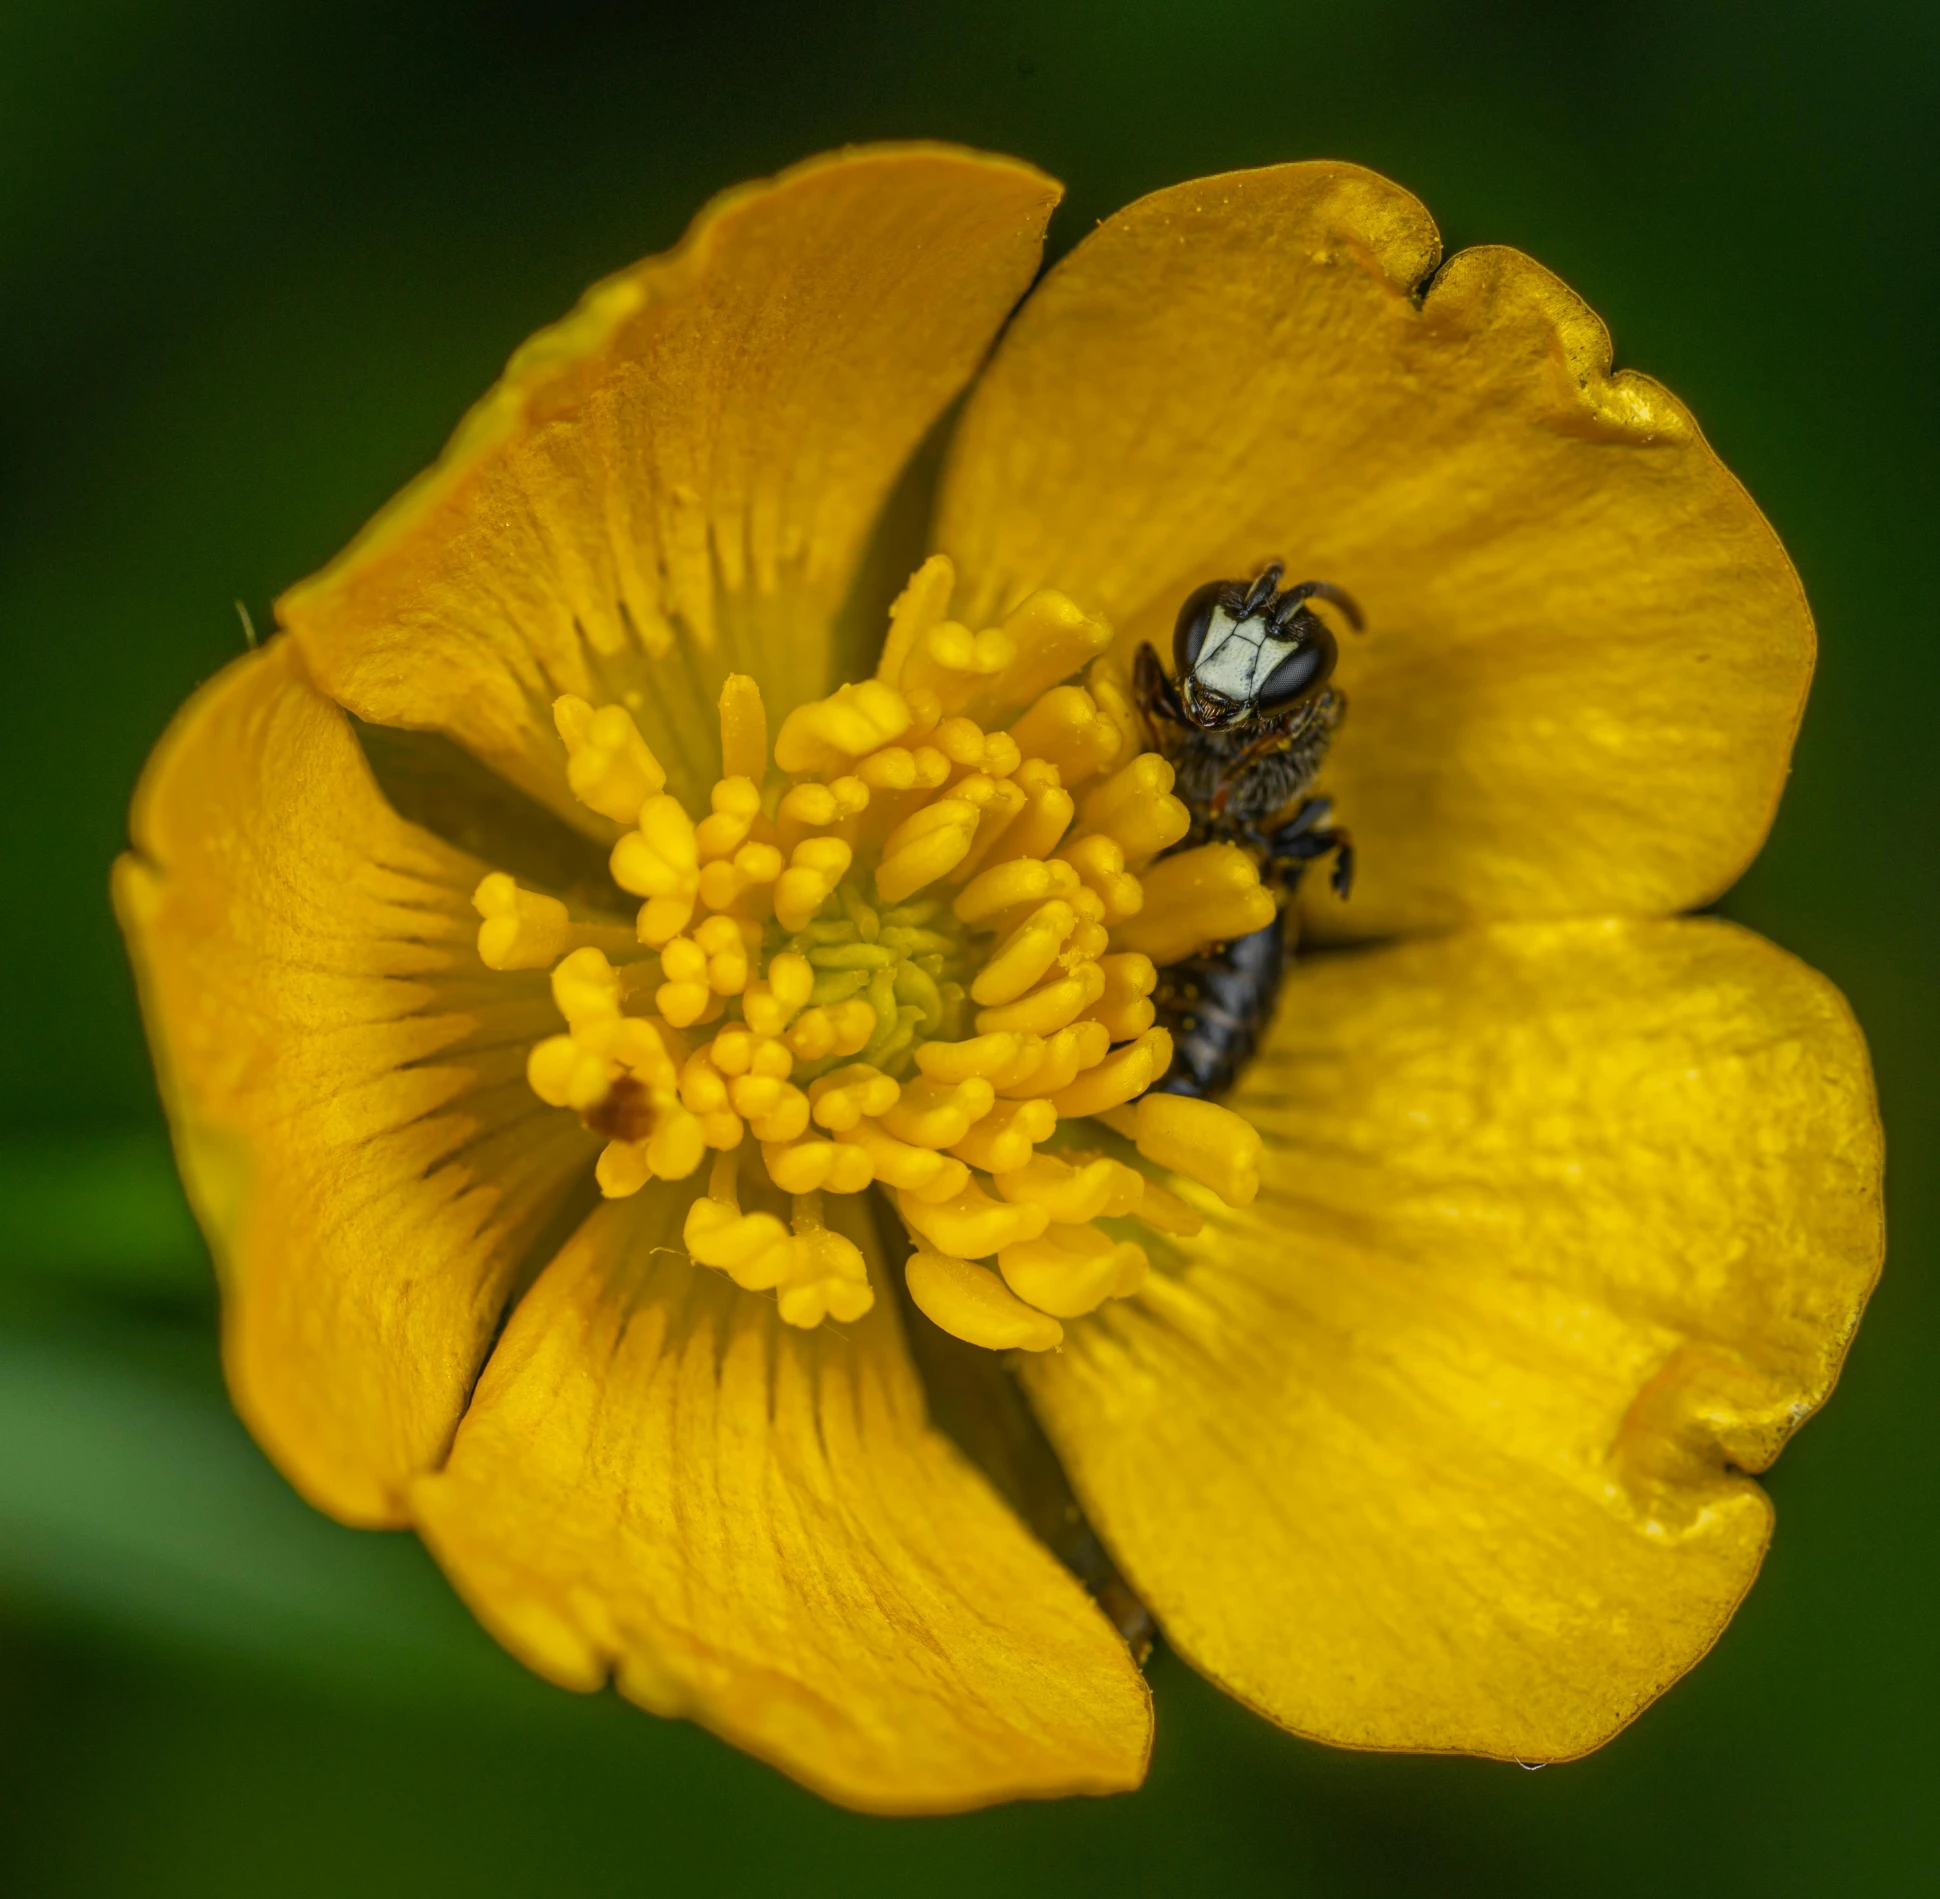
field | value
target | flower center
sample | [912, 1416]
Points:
[914, 946]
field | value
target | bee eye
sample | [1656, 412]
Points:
[1189, 631]
[1303, 672]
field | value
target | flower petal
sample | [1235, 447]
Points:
[758, 1528]
[1439, 1444]
[1587, 653]
[675, 482]
[345, 1081]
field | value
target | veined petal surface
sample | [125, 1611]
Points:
[1440, 1444]
[676, 481]
[756, 1527]
[344, 1079]
[1587, 653]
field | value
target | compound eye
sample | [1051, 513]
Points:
[1195, 617]
[1302, 673]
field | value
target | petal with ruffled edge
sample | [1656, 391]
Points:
[344, 1079]
[677, 480]
[1440, 1444]
[758, 1528]
[1587, 653]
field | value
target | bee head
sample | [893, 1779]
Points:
[1242, 650]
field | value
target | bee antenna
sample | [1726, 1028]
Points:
[1319, 590]
[1262, 589]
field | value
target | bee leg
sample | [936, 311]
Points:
[1308, 835]
[1156, 695]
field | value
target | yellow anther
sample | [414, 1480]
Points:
[770, 1005]
[897, 768]
[1136, 807]
[1087, 942]
[521, 928]
[1203, 1141]
[922, 1171]
[999, 804]
[565, 1075]
[736, 803]
[815, 807]
[1067, 728]
[684, 997]
[852, 722]
[726, 940]
[817, 865]
[683, 960]
[1039, 827]
[926, 845]
[989, 1056]
[952, 662]
[786, 1119]
[1123, 1075]
[622, 1169]
[1125, 1008]
[838, 1101]
[1004, 1139]
[830, 1280]
[937, 1114]
[971, 1225]
[1072, 1270]
[1100, 861]
[1208, 895]
[630, 1040]
[703, 1088]
[1066, 1055]
[1049, 1007]
[586, 987]
[840, 1028]
[962, 742]
[806, 1165]
[1053, 638]
[1024, 956]
[676, 1145]
[739, 1051]
[914, 611]
[744, 729]
[1030, 1058]
[754, 1249]
[1084, 1187]
[993, 894]
[1107, 687]
[661, 862]
[971, 1303]
[608, 764]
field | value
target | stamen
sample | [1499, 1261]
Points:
[1203, 1141]
[975, 1305]
[1071, 1270]
[608, 763]
[909, 961]
[744, 729]
[522, 929]
[1208, 895]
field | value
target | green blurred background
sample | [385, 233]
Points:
[254, 260]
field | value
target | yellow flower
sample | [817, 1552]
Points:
[1425, 1425]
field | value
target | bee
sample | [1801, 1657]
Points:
[1245, 720]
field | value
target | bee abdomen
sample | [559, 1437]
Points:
[1217, 1006]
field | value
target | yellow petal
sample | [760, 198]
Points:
[756, 1527]
[1440, 1443]
[1586, 651]
[345, 1081]
[675, 482]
